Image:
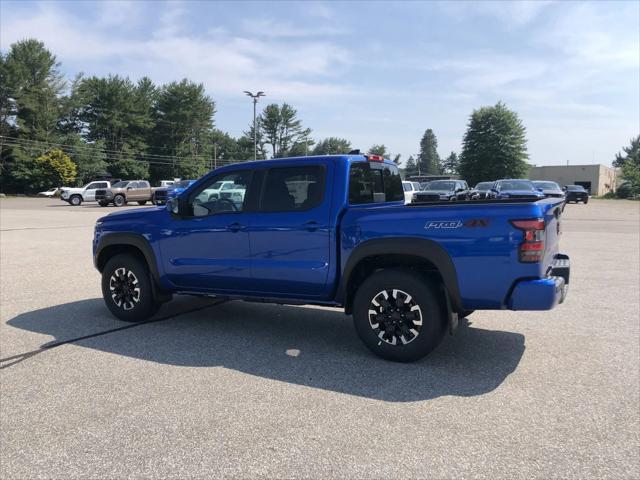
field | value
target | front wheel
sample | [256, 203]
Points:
[75, 200]
[398, 315]
[119, 200]
[127, 289]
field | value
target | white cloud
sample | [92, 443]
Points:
[289, 61]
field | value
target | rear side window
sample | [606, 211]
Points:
[291, 189]
[374, 185]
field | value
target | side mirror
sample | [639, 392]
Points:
[539, 189]
[173, 206]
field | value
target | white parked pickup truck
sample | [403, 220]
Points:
[75, 196]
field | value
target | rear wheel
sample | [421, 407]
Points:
[398, 315]
[119, 200]
[75, 200]
[127, 289]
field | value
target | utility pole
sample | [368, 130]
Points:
[215, 156]
[255, 130]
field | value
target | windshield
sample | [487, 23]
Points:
[575, 188]
[440, 185]
[120, 185]
[547, 185]
[516, 185]
[484, 185]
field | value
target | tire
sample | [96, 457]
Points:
[127, 272]
[143, 202]
[585, 201]
[75, 200]
[153, 200]
[400, 341]
[103, 204]
[119, 201]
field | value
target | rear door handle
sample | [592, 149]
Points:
[235, 227]
[311, 226]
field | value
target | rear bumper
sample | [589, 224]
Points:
[542, 293]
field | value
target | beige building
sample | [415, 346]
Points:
[597, 179]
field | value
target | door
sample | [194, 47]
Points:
[207, 249]
[89, 194]
[290, 234]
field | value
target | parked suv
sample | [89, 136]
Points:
[126, 191]
[576, 193]
[438, 190]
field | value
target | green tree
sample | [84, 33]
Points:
[117, 112]
[54, 168]
[428, 158]
[7, 111]
[90, 158]
[244, 151]
[35, 85]
[282, 129]
[494, 146]
[30, 89]
[379, 150]
[629, 162]
[331, 146]
[411, 167]
[451, 164]
[184, 117]
[225, 148]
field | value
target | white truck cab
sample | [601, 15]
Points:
[75, 196]
[409, 189]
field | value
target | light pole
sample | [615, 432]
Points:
[255, 131]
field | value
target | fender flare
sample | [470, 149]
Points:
[133, 240]
[423, 248]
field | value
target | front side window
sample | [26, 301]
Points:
[291, 189]
[210, 200]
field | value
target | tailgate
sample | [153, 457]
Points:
[552, 212]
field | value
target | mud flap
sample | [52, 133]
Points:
[452, 317]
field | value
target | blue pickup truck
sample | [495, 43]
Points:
[334, 230]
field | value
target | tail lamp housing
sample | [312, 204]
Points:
[531, 249]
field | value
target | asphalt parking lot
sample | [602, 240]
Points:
[250, 390]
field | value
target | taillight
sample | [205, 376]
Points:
[531, 250]
[375, 158]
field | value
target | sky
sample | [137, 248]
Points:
[373, 72]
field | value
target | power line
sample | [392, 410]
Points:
[195, 160]
[154, 158]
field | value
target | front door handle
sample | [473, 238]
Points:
[311, 226]
[235, 227]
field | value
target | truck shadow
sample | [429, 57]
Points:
[306, 346]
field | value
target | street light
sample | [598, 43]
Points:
[255, 131]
